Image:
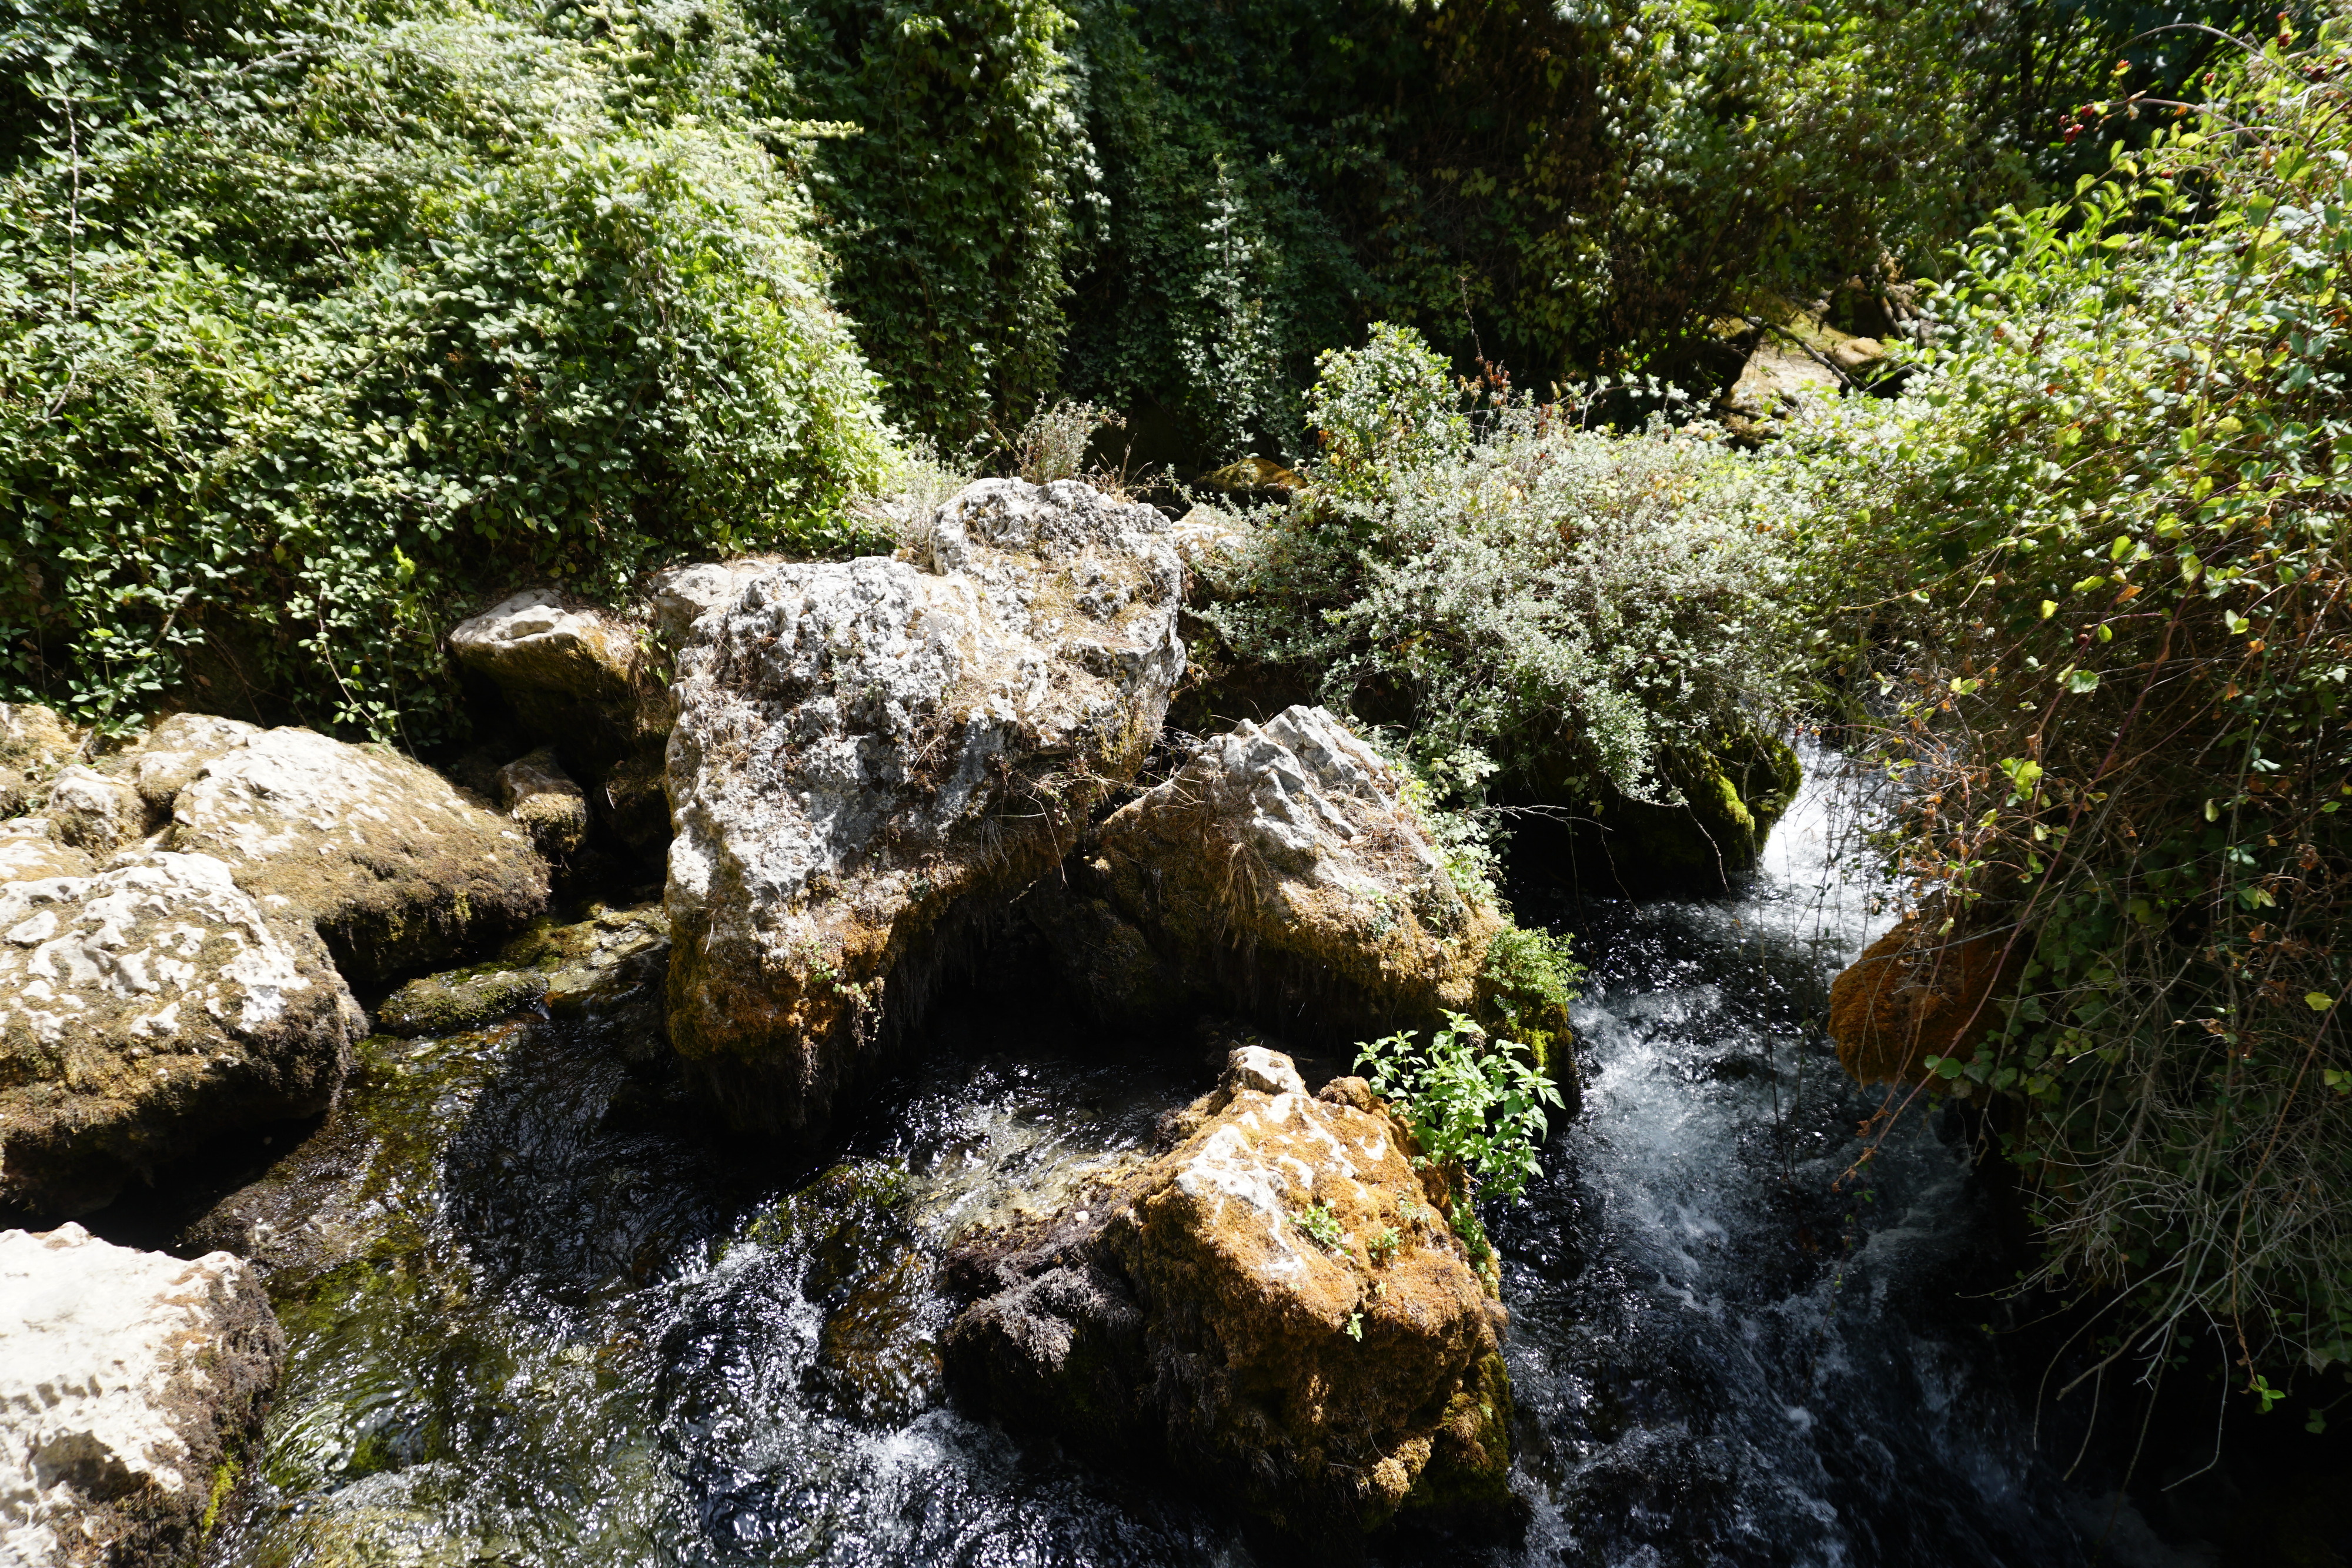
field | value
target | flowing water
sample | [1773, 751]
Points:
[561, 1323]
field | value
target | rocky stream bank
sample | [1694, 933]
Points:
[863, 792]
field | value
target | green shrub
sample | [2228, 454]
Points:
[2097, 556]
[351, 316]
[1569, 603]
[951, 208]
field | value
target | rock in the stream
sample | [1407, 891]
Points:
[536, 791]
[130, 1384]
[610, 967]
[443, 1004]
[396, 869]
[1913, 995]
[1275, 1305]
[143, 1009]
[868, 751]
[1280, 871]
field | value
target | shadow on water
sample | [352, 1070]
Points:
[539, 1314]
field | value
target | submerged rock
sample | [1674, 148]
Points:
[143, 1009]
[130, 1384]
[866, 752]
[443, 1004]
[393, 867]
[1275, 1305]
[1280, 871]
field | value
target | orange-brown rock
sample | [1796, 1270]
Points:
[1912, 996]
[1274, 1304]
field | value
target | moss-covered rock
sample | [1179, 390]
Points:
[396, 869]
[1275, 1305]
[445, 1003]
[1733, 789]
[1913, 995]
[144, 1009]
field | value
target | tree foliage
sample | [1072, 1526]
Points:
[316, 320]
[2097, 556]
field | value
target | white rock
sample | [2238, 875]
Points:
[93, 811]
[126, 1380]
[176, 752]
[396, 869]
[145, 1009]
[862, 745]
[30, 851]
[685, 594]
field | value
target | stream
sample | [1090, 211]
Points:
[561, 1325]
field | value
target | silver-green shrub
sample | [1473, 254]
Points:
[1537, 591]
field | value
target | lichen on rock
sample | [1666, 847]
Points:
[394, 868]
[145, 1009]
[1281, 871]
[1274, 1303]
[866, 751]
[570, 675]
[130, 1384]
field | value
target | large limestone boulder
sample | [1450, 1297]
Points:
[1280, 872]
[143, 1009]
[1275, 1305]
[130, 1382]
[570, 675]
[394, 868]
[866, 752]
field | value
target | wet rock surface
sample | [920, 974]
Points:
[865, 752]
[1279, 872]
[1276, 1303]
[393, 866]
[130, 1383]
[145, 1009]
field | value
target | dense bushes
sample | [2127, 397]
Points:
[2099, 555]
[951, 203]
[317, 317]
[1519, 590]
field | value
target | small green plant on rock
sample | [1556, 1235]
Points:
[1474, 1101]
[1317, 1220]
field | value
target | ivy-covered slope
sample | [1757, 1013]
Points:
[317, 318]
